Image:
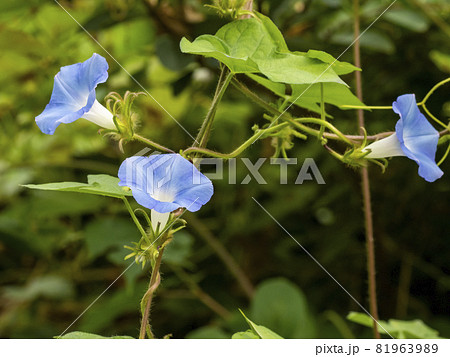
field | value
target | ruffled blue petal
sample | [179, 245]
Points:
[73, 93]
[192, 188]
[165, 182]
[418, 138]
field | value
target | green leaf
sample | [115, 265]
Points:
[337, 66]
[209, 332]
[412, 329]
[103, 185]
[238, 59]
[441, 60]
[85, 336]
[114, 306]
[122, 35]
[166, 48]
[57, 186]
[256, 46]
[282, 306]
[179, 250]
[296, 68]
[249, 334]
[109, 234]
[273, 31]
[260, 331]
[366, 320]
[47, 286]
[333, 93]
[396, 328]
[308, 95]
[409, 19]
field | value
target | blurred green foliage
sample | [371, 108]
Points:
[397, 328]
[60, 251]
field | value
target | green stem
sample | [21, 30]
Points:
[323, 123]
[151, 143]
[445, 155]
[203, 135]
[238, 150]
[334, 153]
[254, 98]
[133, 216]
[432, 90]
[422, 103]
[366, 106]
[147, 218]
[433, 117]
[247, 10]
[148, 297]
[322, 112]
[335, 135]
[286, 117]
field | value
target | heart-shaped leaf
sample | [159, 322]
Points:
[256, 45]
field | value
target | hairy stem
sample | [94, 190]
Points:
[365, 183]
[266, 106]
[148, 142]
[238, 150]
[249, 7]
[203, 135]
[148, 297]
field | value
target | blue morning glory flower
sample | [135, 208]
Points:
[164, 183]
[414, 137]
[73, 96]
